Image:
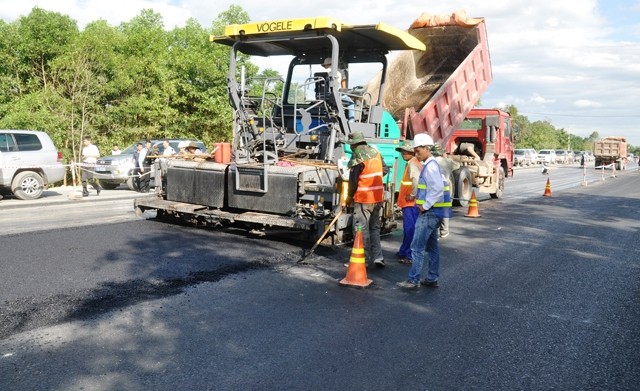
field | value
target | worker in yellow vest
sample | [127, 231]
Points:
[407, 199]
[434, 202]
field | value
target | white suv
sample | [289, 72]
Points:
[29, 163]
[548, 156]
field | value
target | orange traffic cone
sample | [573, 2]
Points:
[473, 206]
[357, 271]
[547, 189]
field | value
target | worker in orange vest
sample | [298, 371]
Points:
[407, 199]
[366, 193]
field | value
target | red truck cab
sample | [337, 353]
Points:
[490, 132]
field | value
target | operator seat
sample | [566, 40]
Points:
[322, 85]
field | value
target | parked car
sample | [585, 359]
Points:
[521, 158]
[561, 156]
[534, 156]
[29, 163]
[577, 155]
[589, 156]
[114, 170]
[549, 156]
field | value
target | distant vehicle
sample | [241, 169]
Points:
[611, 150]
[521, 158]
[577, 155]
[535, 159]
[562, 156]
[114, 170]
[572, 157]
[524, 157]
[588, 156]
[29, 163]
[549, 156]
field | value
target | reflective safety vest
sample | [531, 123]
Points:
[406, 186]
[370, 186]
[442, 207]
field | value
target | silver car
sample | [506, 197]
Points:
[113, 170]
[29, 163]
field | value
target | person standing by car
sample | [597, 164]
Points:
[166, 152]
[115, 150]
[141, 170]
[90, 155]
[434, 204]
[407, 199]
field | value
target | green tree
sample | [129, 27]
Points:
[43, 36]
[141, 106]
[234, 15]
[198, 87]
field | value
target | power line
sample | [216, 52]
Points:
[579, 116]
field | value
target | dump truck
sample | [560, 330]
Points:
[288, 167]
[611, 150]
[478, 141]
[482, 149]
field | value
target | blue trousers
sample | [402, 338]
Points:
[409, 217]
[425, 238]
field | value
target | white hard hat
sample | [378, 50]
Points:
[422, 140]
[326, 62]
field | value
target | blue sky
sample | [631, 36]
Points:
[575, 63]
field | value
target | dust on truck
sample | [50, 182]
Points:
[611, 150]
[289, 163]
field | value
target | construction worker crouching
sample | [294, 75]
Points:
[366, 193]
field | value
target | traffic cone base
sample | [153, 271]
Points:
[357, 271]
[547, 189]
[473, 206]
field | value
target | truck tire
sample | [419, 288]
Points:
[463, 186]
[500, 189]
[27, 185]
[131, 184]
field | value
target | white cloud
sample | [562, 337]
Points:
[586, 103]
[575, 63]
[539, 100]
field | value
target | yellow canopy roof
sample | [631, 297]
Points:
[287, 37]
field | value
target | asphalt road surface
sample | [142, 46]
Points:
[540, 293]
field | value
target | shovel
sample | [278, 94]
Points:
[335, 219]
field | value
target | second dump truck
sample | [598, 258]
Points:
[611, 150]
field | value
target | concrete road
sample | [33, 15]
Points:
[539, 293]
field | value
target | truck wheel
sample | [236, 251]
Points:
[500, 189]
[463, 187]
[131, 184]
[27, 185]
